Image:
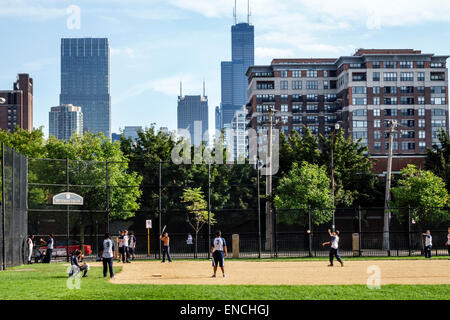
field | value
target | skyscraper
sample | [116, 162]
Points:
[233, 78]
[65, 121]
[16, 106]
[192, 115]
[85, 81]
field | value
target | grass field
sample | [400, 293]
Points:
[41, 281]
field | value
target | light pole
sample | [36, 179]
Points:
[2, 100]
[387, 198]
[333, 137]
[269, 226]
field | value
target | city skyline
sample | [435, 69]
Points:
[146, 67]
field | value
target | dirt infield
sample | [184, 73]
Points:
[285, 273]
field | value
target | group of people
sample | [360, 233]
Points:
[127, 245]
[46, 255]
[429, 243]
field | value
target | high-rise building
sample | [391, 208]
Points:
[65, 121]
[236, 137]
[233, 79]
[85, 81]
[16, 105]
[132, 132]
[192, 115]
[363, 93]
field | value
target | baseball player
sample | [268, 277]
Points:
[166, 247]
[107, 249]
[125, 244]
[132, 246]
[218, 252]
[30, 246]
[428, 244]
[334, 247]
[75, 260]
[120, 243]
[448, 241]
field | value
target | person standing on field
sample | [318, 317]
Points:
[30, 246]
[125, 244]
[448, 241]
[107, 249]
[120, 244]
[428, 244]
[49, 251]
[334, 247]
[132, 246]
[218, 252]
[166, 247]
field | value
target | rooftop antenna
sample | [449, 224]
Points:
[248, 11]
[204, 90]
[181, 88]
[235, 12]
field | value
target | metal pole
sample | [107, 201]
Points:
[359, 229]
[209, 209]
[409, 230]
[107, 196]
[259, 210]
[310, 231]
[160, 208]
[3, 208]
[275, 231]
[387, 213]
[332, 178]
[269, 186]
[68, 209]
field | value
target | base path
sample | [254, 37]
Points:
[285, 273]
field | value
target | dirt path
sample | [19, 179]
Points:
[285, 273]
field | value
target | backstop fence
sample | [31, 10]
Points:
[13, 213]
[234, 204]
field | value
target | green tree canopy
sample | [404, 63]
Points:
[438, 158]
[304, 187]
[424, 192]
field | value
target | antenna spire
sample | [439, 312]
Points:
[181, 88]
[235, 12]
[248, 11]
[204, 90]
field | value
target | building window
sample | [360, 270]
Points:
[422, 145]
[438, 112]
[420, 64]
[421, 134]
[406, 65]
[296, 85]
[437, 89]
[421, 89]
[311, 73]
[408, 145]
[360, 113]
[390, 101]
[312, 98]
[296, 73]
[376, 101]
[421, 112]
[359, 90]
[359, 124]
[390, 90]
[284, 108]
[377, 146]
[311, 108]
[436, 65]
[390, 112]
[312, 85]
[406, 76]
[325, 74]
[389, 64]
[377, 134]
[438, 101]
[376, 123]
[283, 85]
[376, 64]
[376, 112]
[390, 76]
[359, 135]
[421, 100]
[359, 101]
[283, 74]
[421, 123]
[420, 76]
[376, 76]
[376, 90]
[325, 85]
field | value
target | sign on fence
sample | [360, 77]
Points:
[148, 224]
[68, 198]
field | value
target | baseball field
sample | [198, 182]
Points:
[293, 279]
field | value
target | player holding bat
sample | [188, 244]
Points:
[166, 245]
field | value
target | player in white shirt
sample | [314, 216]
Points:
[334, 247]
[428, 244]
[107, 249]
[30, 247]
[132, 246]
[218, 252]
[125, 244]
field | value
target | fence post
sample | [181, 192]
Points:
[3, 208]
[409, 230]
[310, 231]
[359, 228]
[68, 208]
[209, 210]
[259, 211]
[159, 207]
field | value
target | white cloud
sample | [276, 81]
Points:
[126, 51]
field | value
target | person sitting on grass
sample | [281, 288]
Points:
[76, 268]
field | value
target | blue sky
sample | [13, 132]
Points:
[155, 44]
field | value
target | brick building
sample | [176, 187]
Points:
[16, 105]
[361, 92]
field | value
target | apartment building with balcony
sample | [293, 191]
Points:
[363, 93]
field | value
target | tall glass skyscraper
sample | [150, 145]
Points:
[233, 78]
[85, 81]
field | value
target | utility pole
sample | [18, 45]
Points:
[387, 198]
[333, 137]
[269, 227]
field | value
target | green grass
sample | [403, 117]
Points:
[49, 282]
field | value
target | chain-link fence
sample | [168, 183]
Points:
[234, 203]
[13, 213]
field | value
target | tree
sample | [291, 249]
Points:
[424, 193]
[197, 211]
[438, 158]
[304, 187]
